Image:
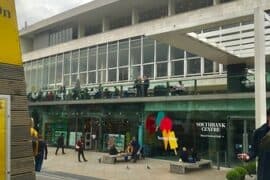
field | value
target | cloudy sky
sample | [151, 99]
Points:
[36, 10]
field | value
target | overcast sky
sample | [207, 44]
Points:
[36, 10]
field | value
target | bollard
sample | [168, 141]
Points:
[218, 161]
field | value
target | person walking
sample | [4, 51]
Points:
[146, 84]
[80, 149]
[261, 149]
[42, 153]
[60, 144]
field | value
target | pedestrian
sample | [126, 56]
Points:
[42, 153]
[60, 144]
[80, 149]
[135, 149]
[138, 86]
[260, 148]
[146, 84]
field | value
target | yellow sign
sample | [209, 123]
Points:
[3, 161]
[9, 39]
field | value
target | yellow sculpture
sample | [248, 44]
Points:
[34, 135]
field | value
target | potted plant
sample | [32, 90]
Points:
[242, 171]
[233, 175]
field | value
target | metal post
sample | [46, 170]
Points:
[260, 90]
[218, 161]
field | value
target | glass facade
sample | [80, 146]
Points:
[121, 61]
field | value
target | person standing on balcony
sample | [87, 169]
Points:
[261, 149]
[146, 84]
[138, 86]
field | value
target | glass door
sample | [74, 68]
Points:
[239, 137]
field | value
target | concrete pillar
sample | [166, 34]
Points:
[105, 24]
[171, 7]
[216, 2]
[260, 84]
[135, 16]
[81, 30]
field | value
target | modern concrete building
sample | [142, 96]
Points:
[81, 65]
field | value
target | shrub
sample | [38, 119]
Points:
[250, 167]
[233, 175]
[242, 171]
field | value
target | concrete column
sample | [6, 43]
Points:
[105, 24]
[216, 2]
[81, 30]
[171, 7]
[135, 16]
[260, 84]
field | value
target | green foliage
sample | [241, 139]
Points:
[233, 175]
[242, 171]
[250, 167]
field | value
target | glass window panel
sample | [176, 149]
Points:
[191, 55]
[148, 50]
[177, 53]
[162, 52]
[194, 66]
[102, 57]
[74, 78]
[102, 76]
[52, 70]
[39, 74]
[91, 77]
[123, 53]
[162, 69]
[66, 80]
[83, 78]
[27, 72]
[45, 72]
[123, 74]
[224, 68]
[208, 66]
[83, 60]
[112, 75]
[135, 51]
[112, 55]
[34, 76]
[66, 63]
[74, 61]
[177, 68]
[135, 72]
[148, 70]
[59, 68]
[92, 59]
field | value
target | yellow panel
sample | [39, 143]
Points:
[9, 40]
[2, 139]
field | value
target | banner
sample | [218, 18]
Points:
[3, 162]
[9, 40]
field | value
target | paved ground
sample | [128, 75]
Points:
[67, 167]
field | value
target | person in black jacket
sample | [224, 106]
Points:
[42, 153]
[146, 84]
[261, 149]
[60, 143]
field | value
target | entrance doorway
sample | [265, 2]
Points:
[239, 136]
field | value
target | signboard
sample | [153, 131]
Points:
[4, 138]
[212, 129]
[9, 39]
